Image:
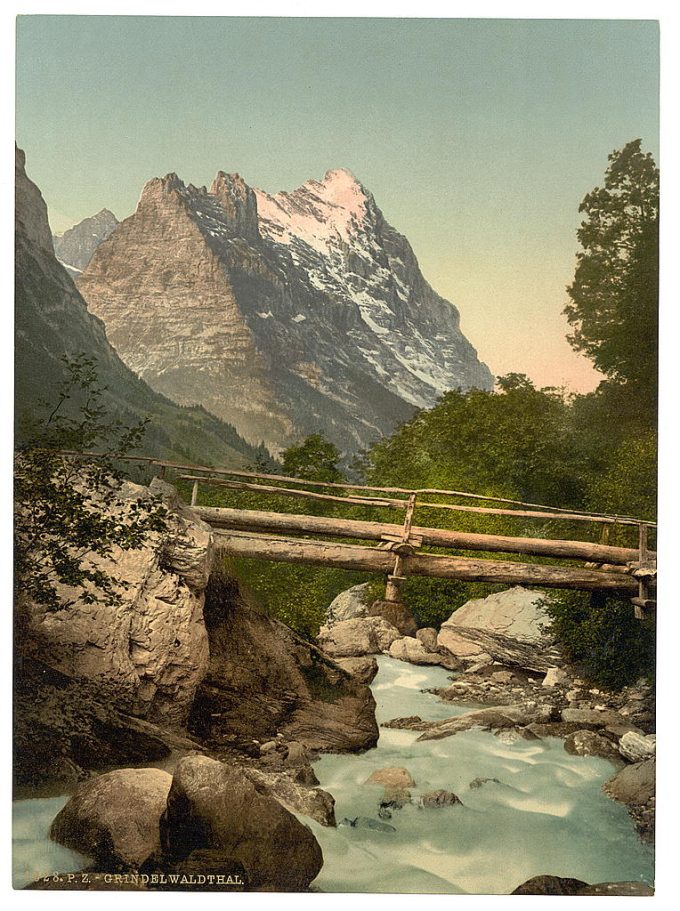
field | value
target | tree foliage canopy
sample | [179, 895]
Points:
[68, 509]
[315, 459]
[614, 295]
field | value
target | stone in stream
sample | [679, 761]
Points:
[114, 817]
[393, 778]
[413, 651]
[478, 782]
[441, 798]
[213, 806]
[366, 822]
[589, 743]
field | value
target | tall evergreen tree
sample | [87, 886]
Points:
[614, 295]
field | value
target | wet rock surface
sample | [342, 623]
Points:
[214, 807]
[562, 885]
[264, 679]
[114, 817]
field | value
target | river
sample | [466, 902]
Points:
[548, 814]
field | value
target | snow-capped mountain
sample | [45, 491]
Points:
[288, 314]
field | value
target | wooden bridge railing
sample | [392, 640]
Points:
[272, 535]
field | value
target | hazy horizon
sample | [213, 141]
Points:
[478, 138]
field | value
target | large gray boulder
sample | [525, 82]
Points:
[361, 636]
[412, 650]
[348, 604]
[149, 651]
[637, 747]
[215, 807]
[510, 626]
[114, 818]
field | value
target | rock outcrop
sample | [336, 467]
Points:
[283, 315]
[264, 680]
[150, 650]
[509, 627]
[114, 818]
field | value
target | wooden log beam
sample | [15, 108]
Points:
[531, 514]
[305, 494]
[370, 559]
[286, 523]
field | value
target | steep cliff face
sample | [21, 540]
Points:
[74, 248]
[284, 315]
[52, 320]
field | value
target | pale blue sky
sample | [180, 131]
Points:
[478, 138]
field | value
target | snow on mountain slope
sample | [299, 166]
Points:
[285, 315]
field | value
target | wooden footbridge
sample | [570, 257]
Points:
[395, 550]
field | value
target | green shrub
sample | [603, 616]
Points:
[600, 634]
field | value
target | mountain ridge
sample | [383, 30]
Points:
[284, 314]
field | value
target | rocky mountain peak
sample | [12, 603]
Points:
[239, 202]
[75, 247]
[31, 210]
[322, 213]
[159, 187]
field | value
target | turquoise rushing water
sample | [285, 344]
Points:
[547, 815]
[33, 854]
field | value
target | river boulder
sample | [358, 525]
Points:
[357, 637]
[393, 778]
[349, 604]
[510, 627]
[441, 798]
[590, 743]
[213, 806]
[412, 650]
[114, 818]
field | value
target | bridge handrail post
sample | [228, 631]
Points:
[397, 577]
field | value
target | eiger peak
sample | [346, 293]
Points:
[284, 314]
